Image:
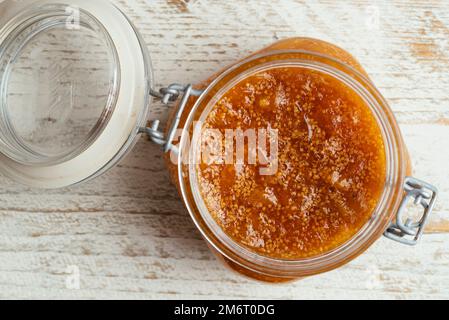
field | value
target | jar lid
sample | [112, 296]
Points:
[74, 89]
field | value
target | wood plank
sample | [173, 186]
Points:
[132, 266]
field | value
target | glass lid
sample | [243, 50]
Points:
[74, 83]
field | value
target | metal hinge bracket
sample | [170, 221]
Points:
[169, 95]
[405, 230]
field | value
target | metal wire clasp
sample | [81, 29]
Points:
[409, 232]
[168, 95]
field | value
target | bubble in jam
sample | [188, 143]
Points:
[330, 171]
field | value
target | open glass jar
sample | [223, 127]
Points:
[75, 91]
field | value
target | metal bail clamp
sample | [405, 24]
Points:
[409, 232]
[167, 96]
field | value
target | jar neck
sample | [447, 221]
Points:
[396, 166]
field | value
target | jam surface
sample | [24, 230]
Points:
[331, 164]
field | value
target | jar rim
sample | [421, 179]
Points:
[381, 216]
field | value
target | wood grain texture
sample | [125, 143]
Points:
[128, 232]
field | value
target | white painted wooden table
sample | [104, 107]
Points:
[127, 232]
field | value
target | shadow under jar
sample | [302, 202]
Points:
[76, 88]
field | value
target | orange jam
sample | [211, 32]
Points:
[331, 164]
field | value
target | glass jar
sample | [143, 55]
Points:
[75, 93]
[399, 188]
